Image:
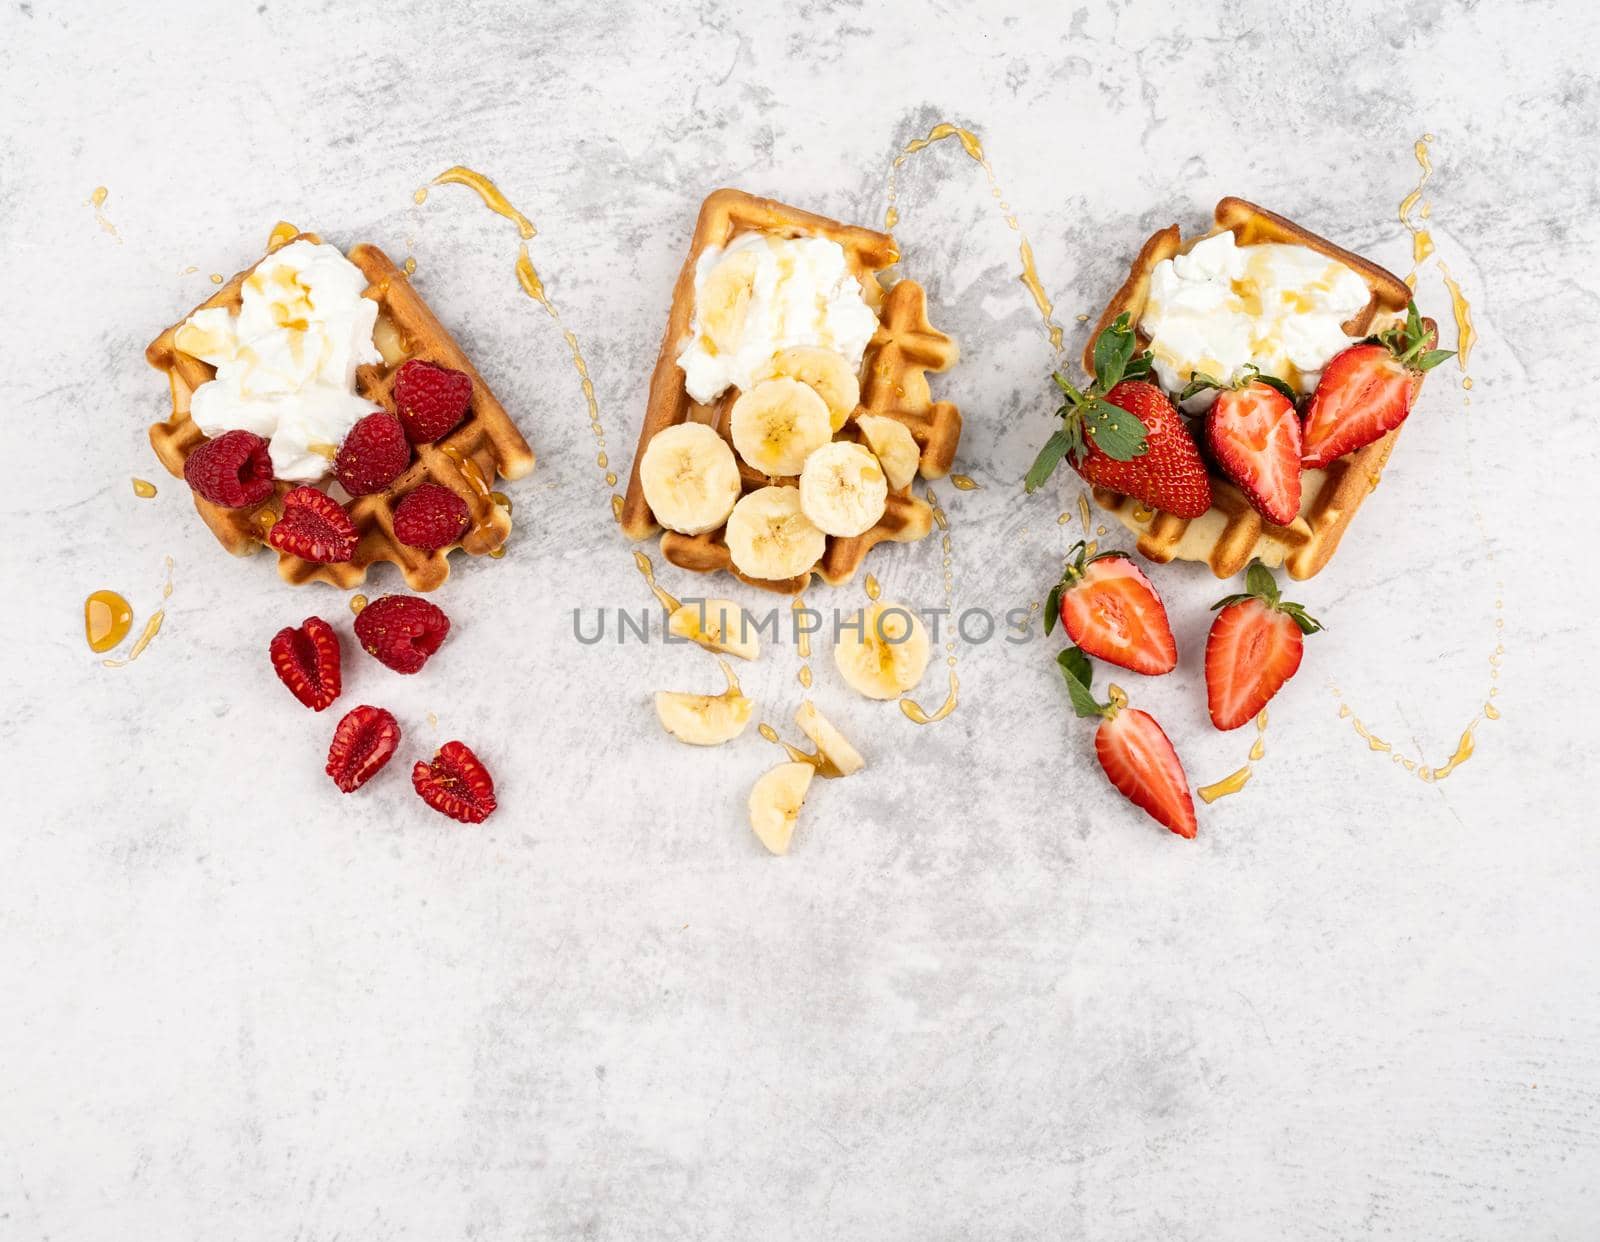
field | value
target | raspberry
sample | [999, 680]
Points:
[363, 742]
[430, 517]
[373, 455]
[307, 661]
[456, 784]
[314, 527]
[401, 631]
[233, 471]
[430, 399]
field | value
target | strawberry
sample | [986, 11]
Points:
[234, 470]
[456, 784]
[373, 455]
[1108, 608]
[1254, 647]
[430, 399]
[401, 631]
[431, 516]
[1122, 433]
[1366, 391]
[307, 661]
[363, 742]
[1253, 434]
[1132, 748]
[314, 527]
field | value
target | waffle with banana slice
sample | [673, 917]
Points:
[813, 466]
[486, 443]
[1232, 533]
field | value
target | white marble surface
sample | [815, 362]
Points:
[983, 998]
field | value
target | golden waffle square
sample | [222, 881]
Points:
[485, 444]
[1231, 533]
[894, 383]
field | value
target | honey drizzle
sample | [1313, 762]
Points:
[648, 572]
[1466, 334]
[144, 489]
[529, 282]
[914, 711]
[1421, 239]
[282, 234]
[1029, 275]
[802, 641]
[872, 588]
[97, 200]
[1238, 779]
[964, 483]
[107, 618]
[152, 627]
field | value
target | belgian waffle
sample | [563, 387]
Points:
[904, 349]
[486, 442]
[1231, 533]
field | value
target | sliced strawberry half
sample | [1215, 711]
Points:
[456, 784]
[306, 660]
[1134, 751]
[1253, 433]
[1366, 391]
[1255, 645]
[1109, 608]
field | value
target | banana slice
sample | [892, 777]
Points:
[778, 424]
[724, 301]
[705, 719]
[825, 372]
[769, 537]
[838, 756]
[717, 625]
[775, 804]
[843, 489]
[690, 478]
[889, 654]
[894, 445]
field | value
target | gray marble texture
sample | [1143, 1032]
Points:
[983, 997]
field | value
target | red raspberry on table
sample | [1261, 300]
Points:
[401, 631]
[456, 784]
[430, 517]
[373, 455]
[363, 742]
[234, 470]
[430, 399]
[314, 527]
[307, 661]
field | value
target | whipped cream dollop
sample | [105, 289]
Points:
[286, 363]
[1222, 307]
[764, 294]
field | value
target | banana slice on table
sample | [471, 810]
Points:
[705, 719]
[823, 371]
[894, 445]
[775, 804]
[723, 303]
[778, 424]
[888, 655]
[839, 757]
[717, 625]
[769, 537]
[690, 478]
[843, 489]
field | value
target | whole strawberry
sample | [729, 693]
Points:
[314, 527]
[456, 784]
[307, 661]
[401, 631]
[1122, 433]
[373, 455]
[1110, 609]
[430, 399]
[1133, 750]
[234, 470]
[363, 742]
[1255, 645]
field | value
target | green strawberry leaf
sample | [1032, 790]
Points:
[1052, 609]
[1044, 465]
[1231, 599]
[1258, 580]
[1199, 381]
[1138, 366]
[1116, 432]
[1079, 675]
[1433, 358]
[1277, 385]
[1112, 351]
[1297, 613]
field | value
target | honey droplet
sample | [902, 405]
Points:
[410, 266]
[107, 618]
[421, 195]
[963, 483]
[496, 553]
[767, 731]
[873, 589]
[1230, 784]
[216, 278]
[357, 603]
[805, 676]
[282, 234]
[616, 508]
[144, 489]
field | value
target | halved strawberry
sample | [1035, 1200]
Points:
[1366, 391]
[1108, 607]
[1255, 646]
[1253, 433]
[1134, 751]
[1121, 432]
